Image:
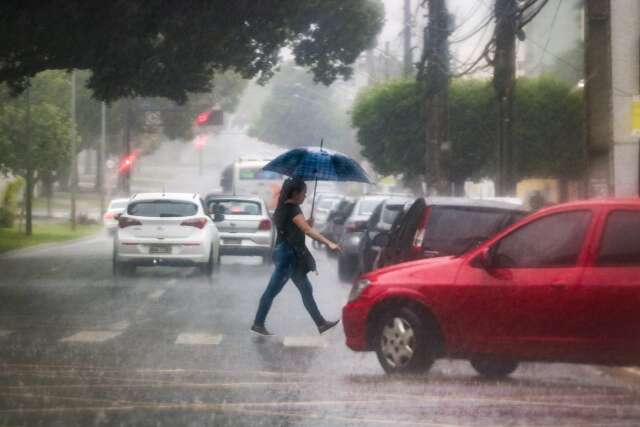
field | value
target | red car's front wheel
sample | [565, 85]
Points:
[404, 342]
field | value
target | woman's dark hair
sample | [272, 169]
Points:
[289, 187]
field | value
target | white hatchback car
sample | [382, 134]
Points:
[247, 228]
[166, 229]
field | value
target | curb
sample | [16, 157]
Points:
[44, 246]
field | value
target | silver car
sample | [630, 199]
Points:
[247, 229]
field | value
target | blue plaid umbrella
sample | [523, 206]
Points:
[319, 164]
[313, 163]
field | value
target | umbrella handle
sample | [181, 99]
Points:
[315, 187]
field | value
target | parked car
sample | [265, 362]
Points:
[351, 233]
[380, 223]
[110, 217]
[336, 220]
[166, 229]
[325, 203]
[247, 228]
[442, 226]
[562, 285]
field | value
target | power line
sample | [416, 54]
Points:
[546, 45]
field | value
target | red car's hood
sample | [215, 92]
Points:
[441, 270]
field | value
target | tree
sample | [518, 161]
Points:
[299, 112]
[547, 130]
[35, 135]
[170, 49]
[390, 128]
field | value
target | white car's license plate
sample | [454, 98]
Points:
[231, 241]
[160, 249]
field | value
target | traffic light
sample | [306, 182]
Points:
[210, 118]
[127, 162]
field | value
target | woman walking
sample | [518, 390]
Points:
[291, 257]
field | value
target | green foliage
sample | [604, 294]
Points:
[299, 112]
[50, 138]
[12, 192]
[390, 127]
[9, 206]
[170, 49]
[548, 131]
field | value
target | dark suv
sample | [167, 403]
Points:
[380, 223]
[443, 226]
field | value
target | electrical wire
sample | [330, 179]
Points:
[546, 45]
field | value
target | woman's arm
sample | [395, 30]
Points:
[303, 225]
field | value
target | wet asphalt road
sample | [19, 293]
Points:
[171, 348]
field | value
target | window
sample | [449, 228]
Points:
[389, 215]
[552, 241]
[162, 208]
[235, 207]
[249, 173]
[366, 207]
[328, 204]
[118, 205]
[620, 244]
[454, 230]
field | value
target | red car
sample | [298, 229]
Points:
[562, 285]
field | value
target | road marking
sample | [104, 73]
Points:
[91, 336]
[5, 333]
[155, 296]
[198, 339]
[304, 342]
[119, 326]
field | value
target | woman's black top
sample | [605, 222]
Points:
[288, 231]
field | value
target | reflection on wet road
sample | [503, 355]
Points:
[168, 347]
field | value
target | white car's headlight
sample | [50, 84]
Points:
[357, 289]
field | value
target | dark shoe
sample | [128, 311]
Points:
[327, 325]
[261, 330]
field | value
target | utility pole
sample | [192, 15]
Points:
[29, 170]
[74, 154]
[408, 56]
[101, 155]
[504, 82]
[598, 97]
[434, 74]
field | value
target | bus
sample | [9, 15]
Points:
[246, 177]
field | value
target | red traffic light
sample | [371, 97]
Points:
[210, 118]
[126, 163]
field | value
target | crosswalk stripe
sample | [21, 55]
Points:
[304, 342]
[91, 336]
[155, 296]
[198, 339]
[119, 326]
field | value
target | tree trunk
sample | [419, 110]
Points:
[28, 202]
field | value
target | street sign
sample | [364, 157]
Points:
[635, 116]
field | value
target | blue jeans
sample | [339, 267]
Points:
[285, 260]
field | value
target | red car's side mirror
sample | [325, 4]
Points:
[485, 259]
